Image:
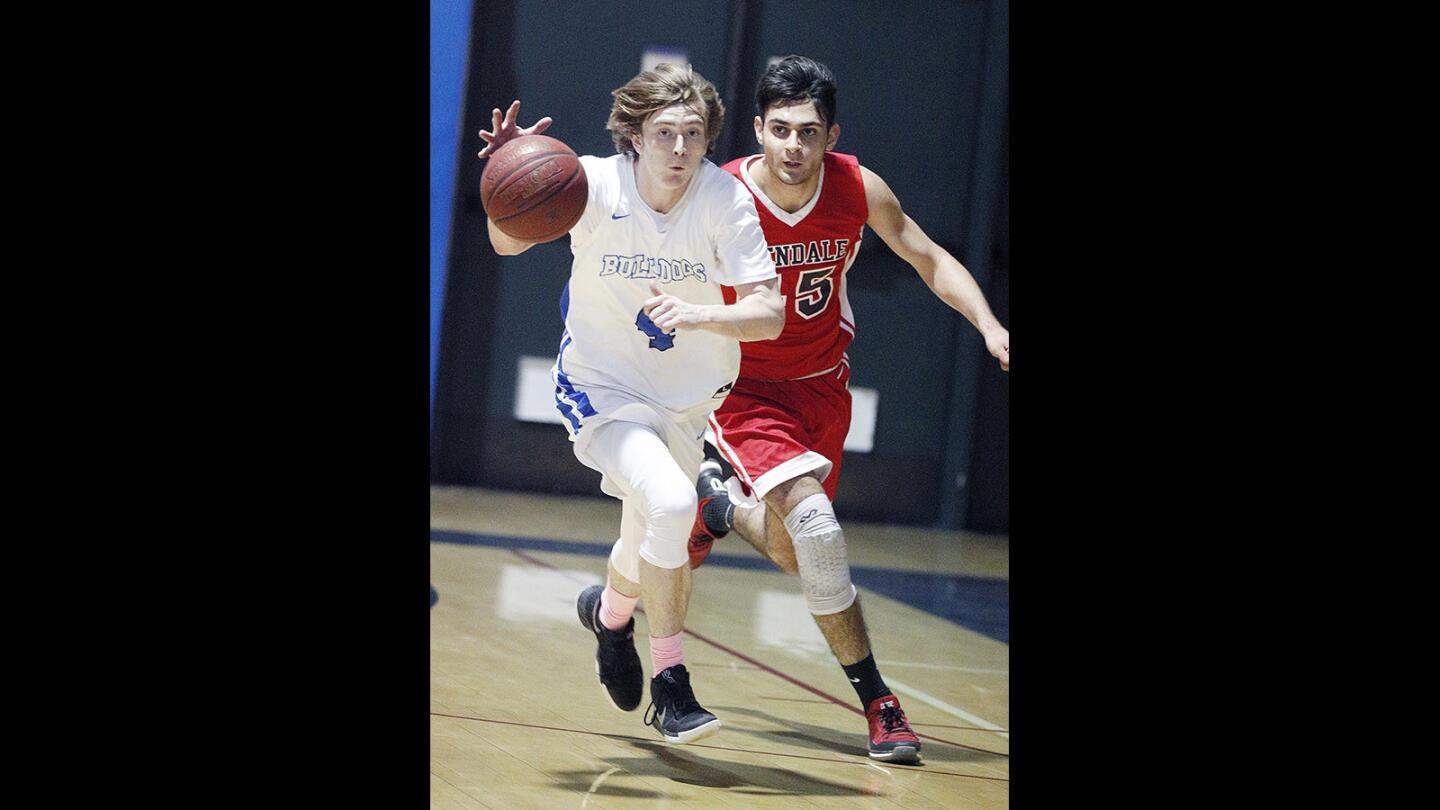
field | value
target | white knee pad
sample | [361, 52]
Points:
[820, 555]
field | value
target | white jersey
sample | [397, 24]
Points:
[611, 353]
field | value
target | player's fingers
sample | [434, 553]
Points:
[486, 136]
[655, 288]
[540, 126]
[513, 114]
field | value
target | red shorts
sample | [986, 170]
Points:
[771, 432]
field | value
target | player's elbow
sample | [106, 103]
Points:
[765, 314]
[774, 326]
[773, 323]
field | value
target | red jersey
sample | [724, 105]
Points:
[812, 248]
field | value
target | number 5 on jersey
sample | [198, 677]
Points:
[812, 291]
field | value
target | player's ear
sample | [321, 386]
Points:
[635, 141]
[833, 137]
[759, 130]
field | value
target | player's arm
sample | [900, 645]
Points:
[504, 243]
[504, 129]
[757, 314]
[943, 273]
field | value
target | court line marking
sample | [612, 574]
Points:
[916, 725]
[880, 769]
[946, 707]
[807, 687]
[595, 785]
[651, 741]
[975, 670]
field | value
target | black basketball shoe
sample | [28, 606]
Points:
[678, 716]
[616, 662]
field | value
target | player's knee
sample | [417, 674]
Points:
[821, 558]
[782, 553]
[824, 572]
[672, 508]
[670, 513]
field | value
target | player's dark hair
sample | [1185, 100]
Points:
[796, 80]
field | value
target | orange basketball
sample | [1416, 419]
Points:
[533, 188]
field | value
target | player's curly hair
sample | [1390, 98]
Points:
[656, 89]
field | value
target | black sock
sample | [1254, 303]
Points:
[719, 516]
[719, 513]
[711, 452]
[866, 679]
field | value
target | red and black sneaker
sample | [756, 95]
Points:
[701, 538]
[715, 505]
[891, 739]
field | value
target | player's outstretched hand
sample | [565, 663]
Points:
[505, 129]
[998, 342]
[669, 312]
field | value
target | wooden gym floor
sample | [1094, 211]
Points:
[518, 718]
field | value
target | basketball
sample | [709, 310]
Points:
[533, 188]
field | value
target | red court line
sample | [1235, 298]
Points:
[777, 673]
[926, 769]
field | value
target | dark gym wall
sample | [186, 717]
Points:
[913, 80]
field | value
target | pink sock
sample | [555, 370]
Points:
[665, 652]
[616, 608]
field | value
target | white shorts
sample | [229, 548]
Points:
[650, 462]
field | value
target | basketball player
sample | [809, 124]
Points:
[650, 347]
[783, 426]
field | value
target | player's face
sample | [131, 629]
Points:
[794, 139]
[671, 145]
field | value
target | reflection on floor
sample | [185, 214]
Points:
[518, 719]
[979, 603]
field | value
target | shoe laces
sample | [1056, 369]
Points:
[676, 692]
[892, 719]
[683, 697]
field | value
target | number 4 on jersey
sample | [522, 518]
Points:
[659, 341]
